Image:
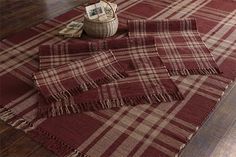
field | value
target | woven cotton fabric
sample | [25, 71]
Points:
[179, 45]
[148, 80]
[146, 130]
[64, 81]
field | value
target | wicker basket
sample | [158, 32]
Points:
[101, 29]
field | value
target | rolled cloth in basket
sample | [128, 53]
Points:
[179, 45]
[148, 80]
[75, 77]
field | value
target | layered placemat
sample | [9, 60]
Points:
[147, 76]
[61, 82]
[146, 130]
[179, 45]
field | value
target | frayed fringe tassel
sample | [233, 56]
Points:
[53, 143]
[77, 153]
[184, 72]
[18, 123]
[68, 107]
[84, 87]
[6, 115]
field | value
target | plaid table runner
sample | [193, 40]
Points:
[179, 45]
[132, 53]
[147, 76]
[64, 81]
[143, 130]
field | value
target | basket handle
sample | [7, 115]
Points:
[113, 11]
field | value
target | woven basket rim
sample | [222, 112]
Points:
[112, 19]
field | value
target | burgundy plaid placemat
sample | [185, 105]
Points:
[147, 76]
[179, 45]
[150, 87]
[64, 81]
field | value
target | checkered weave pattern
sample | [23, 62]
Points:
[147, 77]
[145, 130]
[64, 81]
[131, 52]
[179, 45]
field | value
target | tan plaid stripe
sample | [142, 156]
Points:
[135, 131]
[190, 9]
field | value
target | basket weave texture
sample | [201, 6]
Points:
[101, 29]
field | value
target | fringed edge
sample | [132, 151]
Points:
[184, 72]
[54, 144]
[50, 142]
[56, 109]
[77, 153]
[14, 120]
[86, 86]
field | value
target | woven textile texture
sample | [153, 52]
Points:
[179, 45]
[62, 82]
[147, 76]
[144, 130]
